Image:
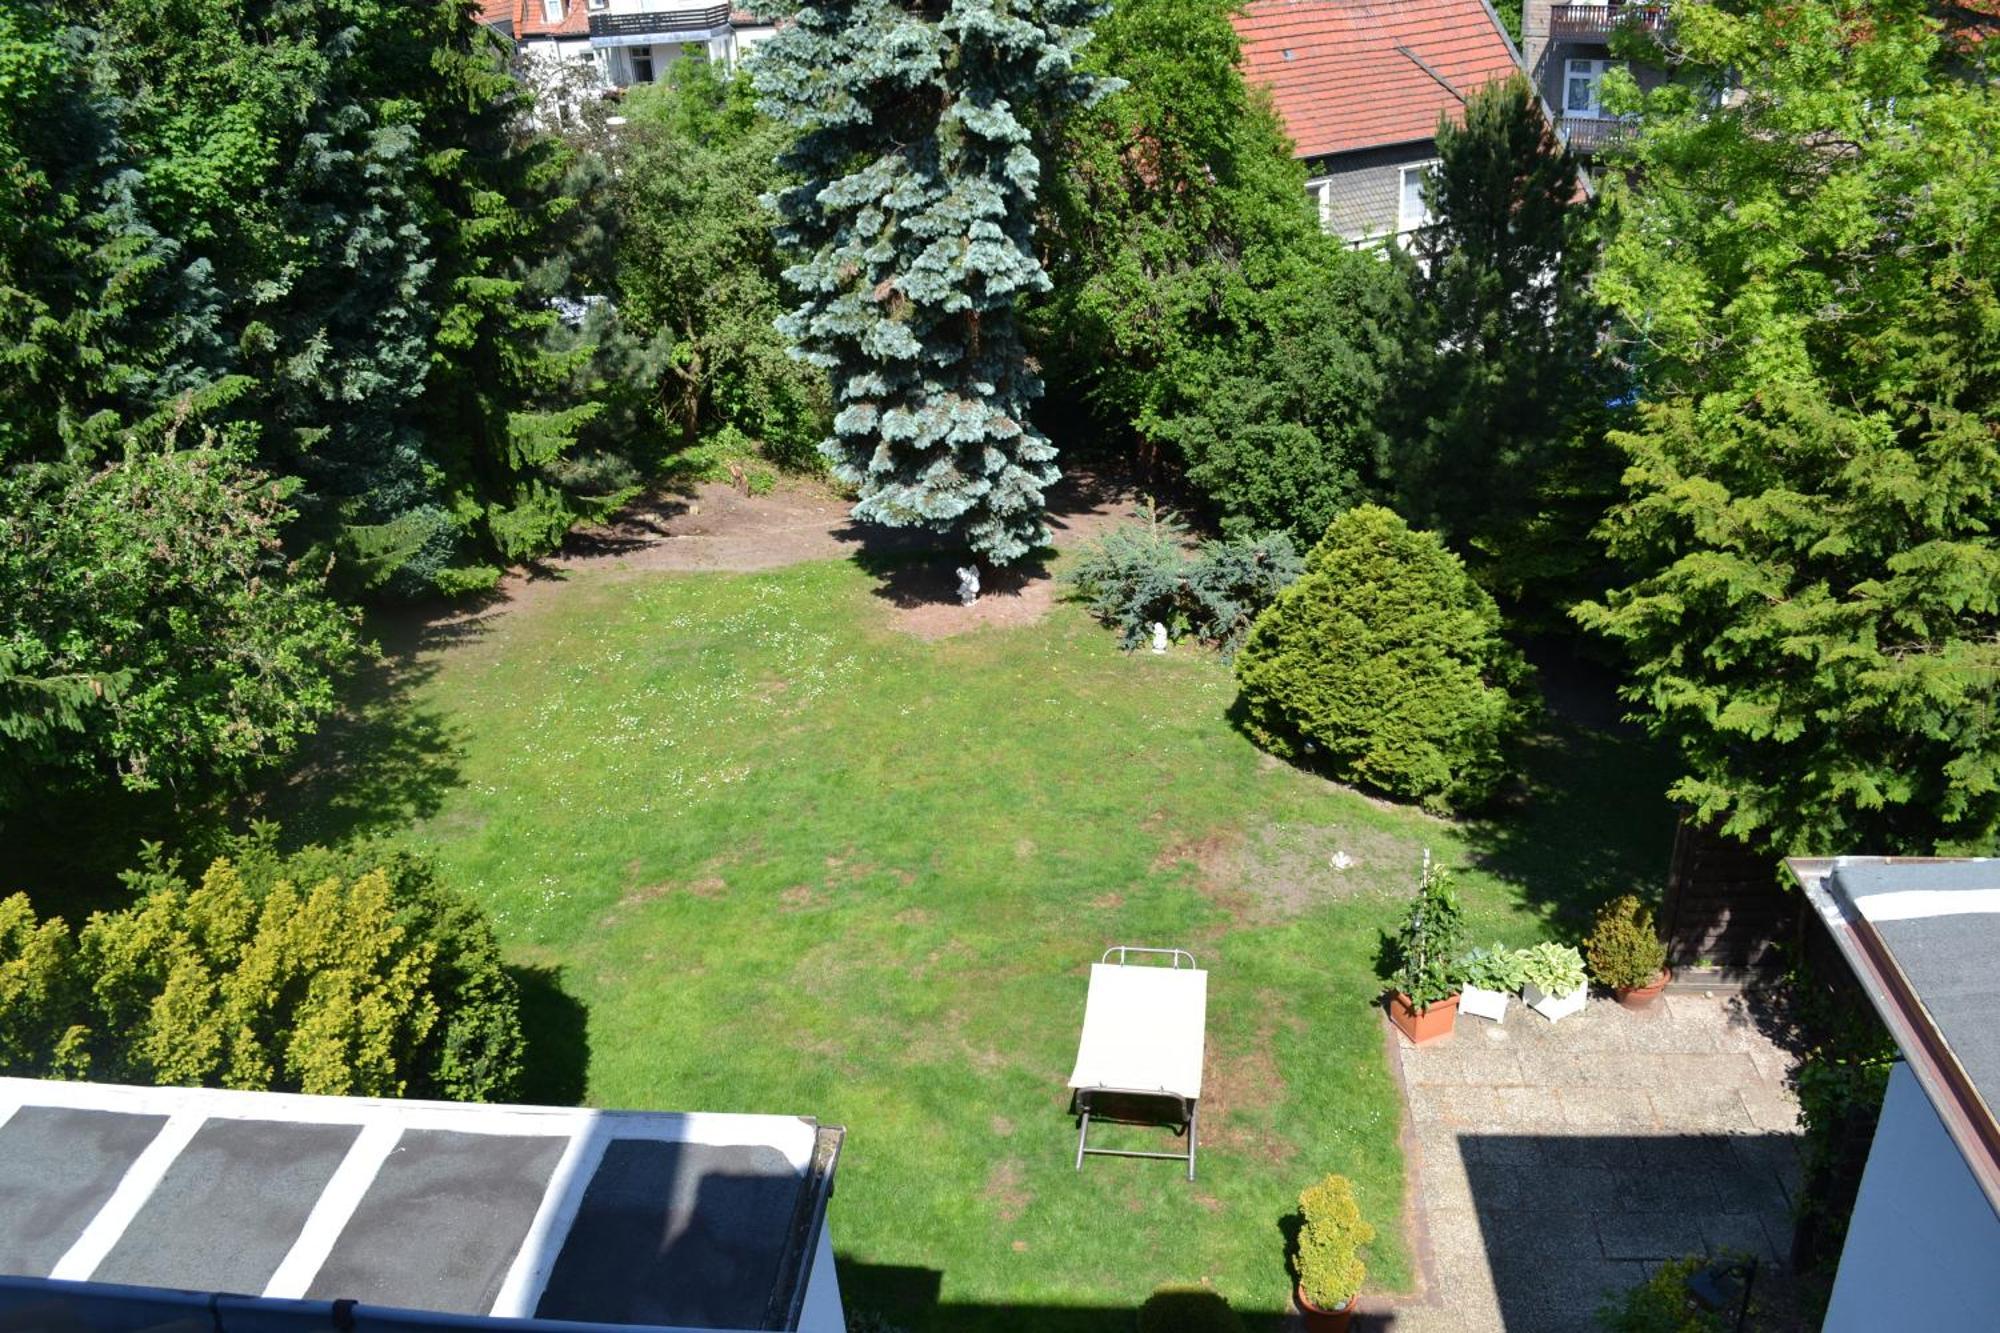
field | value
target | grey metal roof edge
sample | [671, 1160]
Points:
[788, 1293]
[120, 1307]
[1960, 1107]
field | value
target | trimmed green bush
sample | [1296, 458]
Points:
[1623, 946]
[346, 973]
[1188, 1308]
[1385, 660]
[1332, 1233]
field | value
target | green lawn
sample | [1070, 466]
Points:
[757, 851]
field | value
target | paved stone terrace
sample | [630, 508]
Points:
[1553, 1164]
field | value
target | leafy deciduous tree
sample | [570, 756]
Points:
[1809, 270]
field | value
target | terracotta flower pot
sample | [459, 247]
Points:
[1431, 1024]
[1642, 997]
[1325, 1321]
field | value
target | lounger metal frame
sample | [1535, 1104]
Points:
[1189, 1108]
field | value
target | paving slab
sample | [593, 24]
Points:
[1554, 1165]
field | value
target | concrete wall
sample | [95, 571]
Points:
[1923, 1251]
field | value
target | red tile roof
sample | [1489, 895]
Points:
[528, 20]
[1346, 84]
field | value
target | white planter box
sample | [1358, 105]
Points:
[1554, 1007]
[1481, 1003]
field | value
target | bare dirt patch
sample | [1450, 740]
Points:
[1006, 1190]
[1288, 869]
[1248, 1076]
[799, 897]
[1108, 902]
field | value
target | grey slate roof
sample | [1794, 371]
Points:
[1923, 936]
[625, 1219]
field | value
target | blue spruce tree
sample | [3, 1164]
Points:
[912, 222]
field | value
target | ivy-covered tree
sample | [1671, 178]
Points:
[1810, 267]
[1199, 309]
[1506, 399]
[912, 220]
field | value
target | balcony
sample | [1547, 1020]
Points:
[1591, 134]
[659, 26]
[1596, 23]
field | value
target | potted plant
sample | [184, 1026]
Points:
[1490, 977]
[1425, 1002]
[1553, 983]
[1328, 1263]
[1626, 953]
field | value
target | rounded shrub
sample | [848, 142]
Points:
[1187, 1308]
[1386, 660]
[1624, 946]
[1332, 1234]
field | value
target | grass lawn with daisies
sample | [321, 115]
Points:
[755, 849]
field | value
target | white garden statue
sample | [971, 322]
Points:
[968, 584]
[1159, 637]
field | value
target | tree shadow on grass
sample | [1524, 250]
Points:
[385, 760]
[556, 1026]
[1587, 816]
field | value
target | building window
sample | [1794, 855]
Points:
[552, 11]
[1412, 213]
[642, 64]
[1319, 191]
[1581, 81]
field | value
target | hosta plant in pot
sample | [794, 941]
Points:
[1553, 983]
[1328, 1262]
[1490, 977]
[1427, 947]
[1625, 952]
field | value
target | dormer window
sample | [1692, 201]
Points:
[552, 11]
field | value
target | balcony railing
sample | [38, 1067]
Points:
[1596, 23]
[662, 24]
[1590, 134]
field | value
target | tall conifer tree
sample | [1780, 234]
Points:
[912, 220]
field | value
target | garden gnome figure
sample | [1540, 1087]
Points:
[1159, 637]
[968, 584]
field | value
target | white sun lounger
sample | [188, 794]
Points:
[1144, 1027]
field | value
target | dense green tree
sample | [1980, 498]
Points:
[1809, 270]
[1506, 398]
[1199, 307]
[319, 228]
[912, 216]
[1384, 661]
[699, 270]
[153, 631]
[344, 973]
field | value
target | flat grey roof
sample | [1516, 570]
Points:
[1923, 937]
[631, 1219]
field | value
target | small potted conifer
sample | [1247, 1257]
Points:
[1424, 1004]
[1553, 983]
[1327, 1261]
[1626, 953]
